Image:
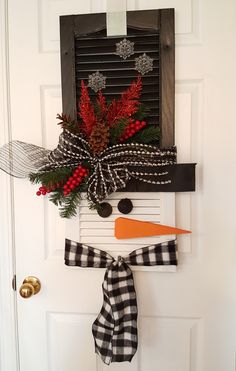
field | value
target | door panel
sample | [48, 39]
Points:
[185, 317]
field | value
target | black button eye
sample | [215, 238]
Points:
[125, 206]
[104, 210]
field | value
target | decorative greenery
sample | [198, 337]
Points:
[50, 178]
[70, 203]
[102, 124]
[117, 131]
[149, 134]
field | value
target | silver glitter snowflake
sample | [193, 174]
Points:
[143, 64]
[124, 48]
[97, 81]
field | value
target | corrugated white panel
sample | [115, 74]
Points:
[99, 232]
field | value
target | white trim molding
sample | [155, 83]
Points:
[9, 355]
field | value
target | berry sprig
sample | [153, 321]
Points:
[75, 180]
[43, 190]
[132, 129]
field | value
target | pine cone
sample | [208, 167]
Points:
[99, 138]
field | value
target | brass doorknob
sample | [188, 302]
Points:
[30, 286]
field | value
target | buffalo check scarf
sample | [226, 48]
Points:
[115, 328]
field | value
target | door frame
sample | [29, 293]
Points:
[9, 355]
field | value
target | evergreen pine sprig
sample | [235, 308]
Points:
[51, 177]
[57, 197]
[149, 134]
[69, 124]
[116, 131]
[142, 112]
[70, 203]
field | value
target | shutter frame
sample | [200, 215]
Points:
[167, 47]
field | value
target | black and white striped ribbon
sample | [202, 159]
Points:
[109, 172]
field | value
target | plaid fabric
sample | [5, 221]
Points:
[115, 328]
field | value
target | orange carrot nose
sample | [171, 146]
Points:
[131, 228]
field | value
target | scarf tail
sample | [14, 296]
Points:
[115, 329]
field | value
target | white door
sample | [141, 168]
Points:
[187, 318]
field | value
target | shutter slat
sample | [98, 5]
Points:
[122, 81]
[96, 52]
[129, 73]
[97, 39]
[108, 66]
[110, 57]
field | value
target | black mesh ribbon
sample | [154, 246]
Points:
[110, 171]
[19, 159]
[115, 329]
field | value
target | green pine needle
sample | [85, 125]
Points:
[117, 130]
[57, 197]
[51, 177]
[70, 203]
[142, 112]
[149, 134]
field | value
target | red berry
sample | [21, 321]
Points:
[41, 188]
[44, 192]
[38, 193]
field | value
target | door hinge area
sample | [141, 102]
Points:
[14, 282]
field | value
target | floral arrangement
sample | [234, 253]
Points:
[98, 153]
[102, 125]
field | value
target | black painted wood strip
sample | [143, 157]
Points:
[67, 41]
[181, 175]
[167, 48]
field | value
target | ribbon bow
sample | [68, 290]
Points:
[110, 171]
[115, 328]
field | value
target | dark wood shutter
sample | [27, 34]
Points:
[85, 49]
